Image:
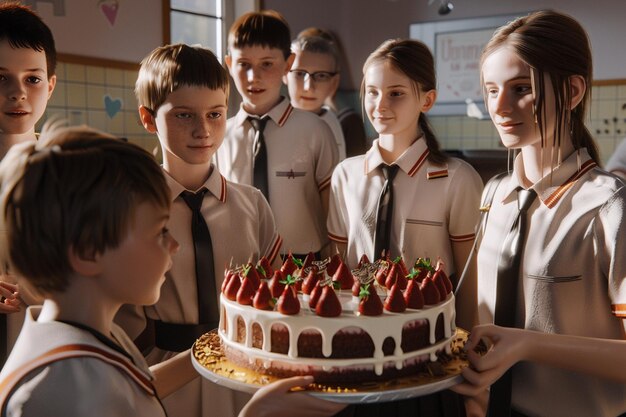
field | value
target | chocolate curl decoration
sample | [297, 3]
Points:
[365, 274]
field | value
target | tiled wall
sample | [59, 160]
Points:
[607, 123]
[99, 97]
[104, 98]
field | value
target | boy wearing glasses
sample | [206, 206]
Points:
[313, 78]
[287, 153]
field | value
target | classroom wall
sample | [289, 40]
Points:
[363, 24]
[100, 93]
[100, 96]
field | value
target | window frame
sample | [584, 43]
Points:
[224, 19]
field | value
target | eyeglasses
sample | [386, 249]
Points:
[318, 76]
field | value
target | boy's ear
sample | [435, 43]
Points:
[87, 266]
[578, 87]
[430, 98]
[52, 82]
[147, 119]
[289, 62]
[228, 60]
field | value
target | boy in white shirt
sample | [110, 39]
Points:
[290, 154]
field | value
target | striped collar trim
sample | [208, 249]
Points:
[552, 187]
[73, 351]
[418, 164]
[283, 118]
[223, 189]
[619, 310]
[554, 198]
[279, 113]
[406, 161]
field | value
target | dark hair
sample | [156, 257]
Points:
[76, 188]
[553, 45]
[265, 28]
[22, 28]
[413, 59]
[168, 67]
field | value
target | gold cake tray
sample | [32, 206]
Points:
[209, 360]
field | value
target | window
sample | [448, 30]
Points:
[197, 22]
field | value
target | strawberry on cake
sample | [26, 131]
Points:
[379, 321]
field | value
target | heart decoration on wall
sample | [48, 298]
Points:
[109, 9]
[112, 106]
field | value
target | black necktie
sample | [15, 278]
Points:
[506, 298]
[208, 311]
[259, 152]
[385, 211]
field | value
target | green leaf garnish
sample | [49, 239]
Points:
[420, 264]
[261, 270]
[298, 262]
[395, 261]
[364, 291]
[290, 280]
[246, 269]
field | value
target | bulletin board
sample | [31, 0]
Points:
[106, 32]
[457, 46]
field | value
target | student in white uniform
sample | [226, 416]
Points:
[350, 122]
[435, 198]
[313, 77]
[295, 152]
[28, 64]
[86, 217]
[565, 346]
[182, 96]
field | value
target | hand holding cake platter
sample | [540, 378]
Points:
[377, 333]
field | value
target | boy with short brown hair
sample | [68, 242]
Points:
[27, 68]
[85, 216]
[289, 154]
[182, 93]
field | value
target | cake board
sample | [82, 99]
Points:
[209, 361]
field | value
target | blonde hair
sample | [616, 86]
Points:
[75, 188]
[316, 44]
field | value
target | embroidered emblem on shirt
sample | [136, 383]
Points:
[431, 173]
[290, 174]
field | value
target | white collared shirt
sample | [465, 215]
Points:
[77, 386]
[572, 279]
[242, 229]
[434, 205]
[301, 156]
[332, 121]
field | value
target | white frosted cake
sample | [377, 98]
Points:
[321, 319]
